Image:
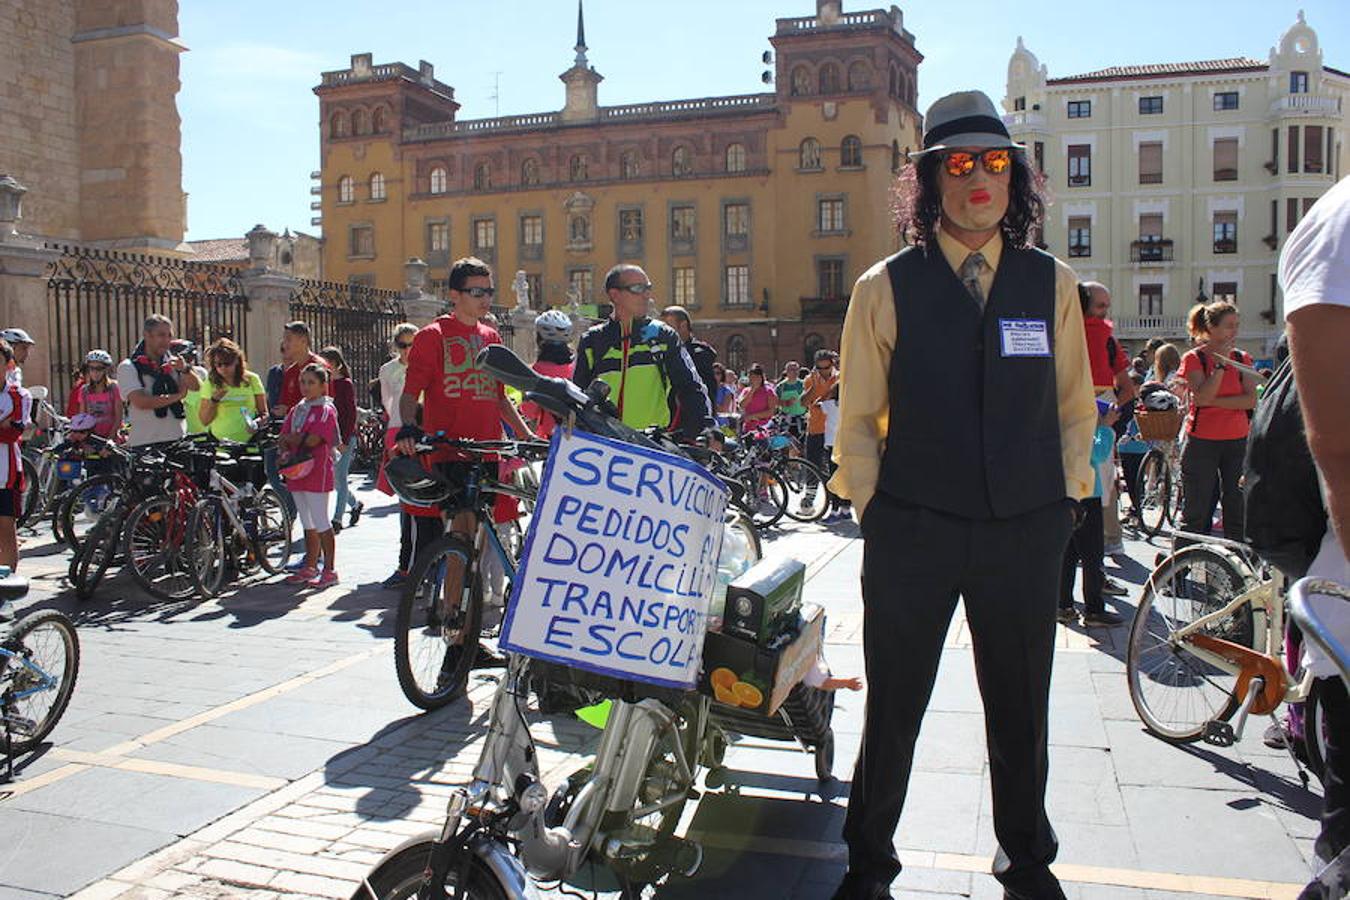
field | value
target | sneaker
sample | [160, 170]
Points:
[1102, 619]
[1276, 737]
[394, 581]
[1067, 615]
[1114, 588]
[303, 575]
[1115, 548]
[354, 515]
[337, 526]
[324, 578]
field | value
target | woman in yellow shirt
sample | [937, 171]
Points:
[232, 397]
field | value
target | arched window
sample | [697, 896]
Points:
[377, 186]
[859, 76]
[628, 164]
[576, 169]
[377, 123]
[346, 189]
[360, 122]
[850, 151]
[738, 353]
[735, 157]
[681, 163]
[338, 125]
[813, 343]
[437, 180]
[829, 79]
[895, 81]
[808, 154]
[529, 172]
[801, 81]
[482, 177]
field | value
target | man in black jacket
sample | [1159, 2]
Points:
[702, 354]
[643, 361]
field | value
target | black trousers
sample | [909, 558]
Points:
[1335, 836]
[1129, 465]
[1085, 546]
[916, 562]
[1204, 464]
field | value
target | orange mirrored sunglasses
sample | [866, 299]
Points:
[959, 164]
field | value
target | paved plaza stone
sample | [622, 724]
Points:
[257, 746]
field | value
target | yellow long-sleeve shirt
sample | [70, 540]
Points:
[864, 393]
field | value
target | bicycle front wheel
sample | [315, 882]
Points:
[765, 497]
[32, 501]
[275, 526]
[97, 552]
[1154, 490]
[807, 499]
[204, 546]
[49, 650]
[437, 627]
[77, 509]
[155, 537]
[1177, 693]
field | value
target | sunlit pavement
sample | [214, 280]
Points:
[258, 746]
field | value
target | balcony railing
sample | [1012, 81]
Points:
[1026, 120]
[1151, 251]
[1225, 245]
[830, 309]
[1150, 326]
[875, 18]
[1306, 104]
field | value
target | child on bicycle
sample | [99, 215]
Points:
[309, 437]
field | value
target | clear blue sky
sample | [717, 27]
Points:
[250, 118]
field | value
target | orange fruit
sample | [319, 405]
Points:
[725, 695]
[747, 694]
[723, 678]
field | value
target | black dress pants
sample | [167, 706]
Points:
[1086, 546]
[916, 561]
[1335, 837]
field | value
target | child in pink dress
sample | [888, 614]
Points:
[311, 430]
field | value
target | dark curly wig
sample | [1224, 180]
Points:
[918, 202]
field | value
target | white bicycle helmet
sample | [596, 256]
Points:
[102, 357]
[553, 325]
[16, 336]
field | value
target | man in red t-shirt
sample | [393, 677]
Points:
[458, 398]
[295, 355]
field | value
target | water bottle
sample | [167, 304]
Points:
[250, 420]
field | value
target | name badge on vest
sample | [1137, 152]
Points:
[1024, 337]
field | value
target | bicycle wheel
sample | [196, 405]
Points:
[76, 511]
[32, 493]
[46, 640]
[1315, 730]
[1176, 692]
[400, 876]
[1154, 489]
[155, 534]
[807, 498]
[765, 496]
[98, 552]
[204, 546]
[274, 528]
[436, 636]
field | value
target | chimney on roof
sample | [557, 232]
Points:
[426, 71]
[361, 65]
[828, 11]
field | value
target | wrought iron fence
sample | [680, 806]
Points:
[354, 317]
[101, 298]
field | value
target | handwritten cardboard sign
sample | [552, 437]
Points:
[619, 563]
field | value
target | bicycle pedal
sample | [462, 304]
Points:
[1219, 734]
[21, 726]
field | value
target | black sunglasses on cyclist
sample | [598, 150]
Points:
[640, 287]
[477, 293]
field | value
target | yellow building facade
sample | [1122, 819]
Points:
[757, 212]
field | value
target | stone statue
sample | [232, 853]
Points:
[521, 286]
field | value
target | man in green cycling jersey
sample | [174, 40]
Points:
[642, 360]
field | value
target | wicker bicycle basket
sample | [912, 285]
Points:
[1159, 425]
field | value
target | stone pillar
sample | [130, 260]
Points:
[419, 307]
[269, 300]
[23, 282]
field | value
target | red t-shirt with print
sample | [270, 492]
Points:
[1213, 423]
[458, 398]
[290, 380]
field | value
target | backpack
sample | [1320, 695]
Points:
[1285, 517]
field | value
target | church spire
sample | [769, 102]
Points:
[581, 37]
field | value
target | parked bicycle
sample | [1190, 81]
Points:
[1206, 644]
[39, 662]
[618, 812]
[770, 482]
[371, 425]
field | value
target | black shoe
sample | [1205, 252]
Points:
[355, 515]
[1275, 736]
[861, 887]
[1114, 588]
[337, 526]
[1102, 619]
[1067, 615]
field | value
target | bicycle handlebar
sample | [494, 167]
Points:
[1312, 625]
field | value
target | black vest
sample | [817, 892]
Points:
[972, 432]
